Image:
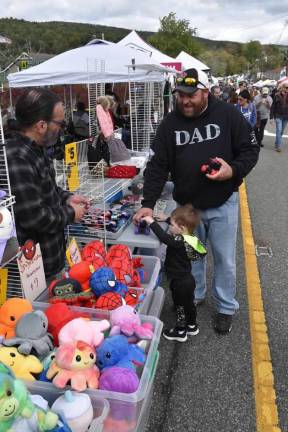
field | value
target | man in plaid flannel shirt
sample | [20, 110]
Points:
[42, 209]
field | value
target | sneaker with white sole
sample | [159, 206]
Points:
[175, 334]
[192, 330]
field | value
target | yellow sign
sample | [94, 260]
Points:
[73, 253]
[3, 285]
[72, 167]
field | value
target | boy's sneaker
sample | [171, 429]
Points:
[223, 323]
[192, 330]
[175, 334]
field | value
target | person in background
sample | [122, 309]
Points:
[242, 86]
[182, 248]
[42, 208]
[263, 103]
[216, 91]
[203, 127]
[81, 122]
[247, 108]
[279, 112]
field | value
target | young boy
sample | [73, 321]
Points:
[182, 248]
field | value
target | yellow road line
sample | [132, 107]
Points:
[265, 397]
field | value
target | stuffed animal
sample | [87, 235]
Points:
[104, 280]
[75, 363]
[69, 291]
[94, 253]
[81, 272]
[76, 408]
[16, 406]
[116, 351]
[46, 362]
[119, 259]
[58, 315]
[109, 301]
[126, 320]
[119, 379]
[10, 312]
[79, 329]
[22, 366]
[31, 335]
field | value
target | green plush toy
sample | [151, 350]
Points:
[15, 403]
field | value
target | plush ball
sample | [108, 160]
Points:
[102, 281]
[109, 301]
[119, 380]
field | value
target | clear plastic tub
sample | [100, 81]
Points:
[124, 409]
[151, 269]
[157, 301]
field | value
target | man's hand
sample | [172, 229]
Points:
[79, 210]
[148, 219]
[79, 199]
[141, 213]
[225, 172]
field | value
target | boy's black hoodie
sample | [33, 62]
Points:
[183, 144]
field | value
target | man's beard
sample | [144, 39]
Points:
[50, 138]
[197, 110]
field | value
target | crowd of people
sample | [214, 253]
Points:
[259, 105]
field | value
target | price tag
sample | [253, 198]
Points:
[73, 253]
[71, 163]
[3, 285]
[31, 270]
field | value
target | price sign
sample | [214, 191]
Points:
[3, 285]
[73, 253]
[71, 162]
[31, 270]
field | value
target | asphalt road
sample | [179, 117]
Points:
[206, 384]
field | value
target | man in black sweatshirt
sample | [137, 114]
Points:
[202, 127]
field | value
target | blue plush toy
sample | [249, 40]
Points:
[104, 280]
[116, 351]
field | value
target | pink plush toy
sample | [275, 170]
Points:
[74, 362]
[83, 330]
[125, 320]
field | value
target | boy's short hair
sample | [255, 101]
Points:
[187, 216]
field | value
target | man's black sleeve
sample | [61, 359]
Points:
[157, 170]
[244, 145]
[166, 238]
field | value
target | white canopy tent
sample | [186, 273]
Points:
[84, 65]
[189, 61]
[134, 41]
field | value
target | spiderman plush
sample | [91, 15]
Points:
[104, 280]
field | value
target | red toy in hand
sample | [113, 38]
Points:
[212, 168]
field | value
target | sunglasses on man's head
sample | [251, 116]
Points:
[187, 81]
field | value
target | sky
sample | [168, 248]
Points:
[263, 20]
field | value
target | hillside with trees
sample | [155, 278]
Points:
[174, 35]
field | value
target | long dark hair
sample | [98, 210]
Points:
[34, 105]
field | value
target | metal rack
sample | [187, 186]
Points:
[14, 287]
[146, 112]
[94, 91]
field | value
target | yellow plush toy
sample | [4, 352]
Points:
[22, 366]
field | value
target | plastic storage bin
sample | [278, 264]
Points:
[157, 301]
[125, 410]
[151, 268]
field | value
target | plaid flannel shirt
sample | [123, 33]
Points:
[41, 209]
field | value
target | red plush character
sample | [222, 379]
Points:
[94, 253]
[109, 301]
[119, 259]
[132, 297]
[82, 272]
[69, 291]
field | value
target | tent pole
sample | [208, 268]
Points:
[11, 101]
[71, 101]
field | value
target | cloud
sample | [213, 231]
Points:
[263, 20]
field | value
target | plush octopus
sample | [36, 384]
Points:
[74, 362]
[31, 335]
[125, 320]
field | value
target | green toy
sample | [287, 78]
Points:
[15, 403]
